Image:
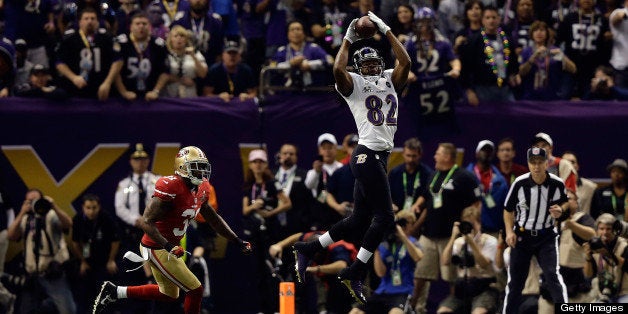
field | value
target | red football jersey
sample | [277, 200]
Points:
[186, 205]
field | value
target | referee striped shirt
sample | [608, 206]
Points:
[531, 201]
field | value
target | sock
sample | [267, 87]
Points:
[193, 298]
[148, 292]
[122, 292]
[325, 240]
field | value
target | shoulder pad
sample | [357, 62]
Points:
[160, 41]
[217, 16]
[122, 38]
[282, 48]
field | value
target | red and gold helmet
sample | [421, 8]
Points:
[192, 163]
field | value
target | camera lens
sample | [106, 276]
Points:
[465, 227]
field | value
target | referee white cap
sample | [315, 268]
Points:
[543, 137]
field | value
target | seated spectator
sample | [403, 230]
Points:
[184, 63]
[603, 86]
[301, 57]
[543, 67]
[143, 74]
[7, 68]
[394, 262]
[231, 78]
[40, 85]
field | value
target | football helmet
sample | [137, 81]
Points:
[367, 54]
[192, 163]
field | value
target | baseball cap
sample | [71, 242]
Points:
[258, 154]
[20, 43]
[139, 152]
[543, 137]
[484, 143]
[39, 69]
[327, 137]
[232, 45]
[537, 152]
[618, 163]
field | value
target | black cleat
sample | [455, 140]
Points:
[300, 262]
[108, 294]
[353, 285]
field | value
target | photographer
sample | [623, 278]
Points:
[603, 86]
[474, 253]
[605, 256]
[576, 228]
[41, 223]
[394, 262]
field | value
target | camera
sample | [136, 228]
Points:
[620, 228]
[402, 222]
[465, 227]
[464, 259]
[596, 244]
[607, 286]
[41, 206]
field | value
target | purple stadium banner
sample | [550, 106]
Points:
[82, 145]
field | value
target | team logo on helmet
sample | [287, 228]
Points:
[191, 163]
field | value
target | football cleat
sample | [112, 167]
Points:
[353, 285]
[300, 262]
[108, 294]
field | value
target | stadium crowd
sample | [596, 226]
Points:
[462, 52]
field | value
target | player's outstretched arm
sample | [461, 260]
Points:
[222, 228]
[343, 79]
[402, 68]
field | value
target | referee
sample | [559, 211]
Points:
[535, 200]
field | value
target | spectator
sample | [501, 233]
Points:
[613, 199]
[403, 25]
[618, 21]
[41, 223]
[472, 22]
[34, 22]
[207, 32]
[585, 188]
[340, 193]
[159, 29]
[143, 74]
[394, 262]
[292, 180]
[408, 181]
[124, 13]
[490, 64]
[606, 262]
[451, 17]
[252, 14]
[231, 78]
[451, 189]
[40, 85]
[172, 10]
[7, 66]
[95, 242]
[582, 33]
[576, 229]
[279, 17]
[329, 21]
[473, 251]
[506, 154]
[23, 66]
[87, 59]
[493, 187]
[534, 203]
[559, 10]
[7, 214]
[304, 60]
[186, 65]
[432, 78]
[387, 9]
[603, 86]
[544, 69]
[520, 26]
[323, 167]
[348, 145]
[556, 166]
[263, 200]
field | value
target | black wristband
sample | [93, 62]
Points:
[168, 246]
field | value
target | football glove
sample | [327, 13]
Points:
[380, 24]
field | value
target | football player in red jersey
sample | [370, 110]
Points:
[177, 200]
